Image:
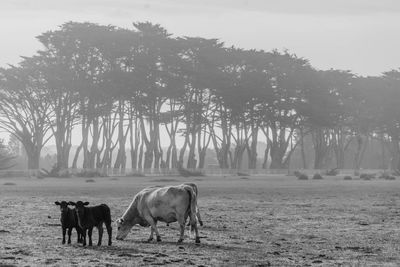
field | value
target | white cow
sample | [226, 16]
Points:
[167, 204]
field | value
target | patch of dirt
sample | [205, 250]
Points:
[265, 221]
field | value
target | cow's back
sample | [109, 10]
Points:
[165, 203]
[101, 213]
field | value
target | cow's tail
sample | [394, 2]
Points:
[192, 208]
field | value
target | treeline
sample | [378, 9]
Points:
[124, 90]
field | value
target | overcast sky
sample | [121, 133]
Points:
[358, 35]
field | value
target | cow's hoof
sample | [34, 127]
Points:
[180, 241]
[197, 240]
[63, 242]
[109, 243]
[149, 240]
[201, 223]
[158, 239]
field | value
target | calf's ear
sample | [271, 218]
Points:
[85, 203]
[57, 203]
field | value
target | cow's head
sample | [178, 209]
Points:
[63, 206]
[123, 228]
[79, 207]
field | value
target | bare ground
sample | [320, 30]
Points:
[249, 221]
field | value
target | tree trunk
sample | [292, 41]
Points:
[395, 151]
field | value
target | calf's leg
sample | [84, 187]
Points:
[64, 230]
[90, 230]
[100, 228]
[79, 235]
[109, 232]
[84, 237]
[69, 235]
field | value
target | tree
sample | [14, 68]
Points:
[24, 110]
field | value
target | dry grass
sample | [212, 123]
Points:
[275, 220]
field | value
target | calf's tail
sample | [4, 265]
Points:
[107, 214]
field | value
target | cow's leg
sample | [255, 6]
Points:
[193, 227]
[84, 237]
[69, 235]
[181, 221]
[100, 228]
[196, 233]
[153, 225]
[90, 230]
[151, 234]
[64, 230]
[109, 232]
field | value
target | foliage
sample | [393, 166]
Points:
[120, 87]
[55, 171]
[367, 176]
[6, 157]
[90, 173]
[317, 176]
[332, 172]
[303, 176]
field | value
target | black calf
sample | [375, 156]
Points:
[89, 217]
[69, 220]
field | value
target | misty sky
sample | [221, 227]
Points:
[358, 35]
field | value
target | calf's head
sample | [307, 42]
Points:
[80, 208]
[63, 206]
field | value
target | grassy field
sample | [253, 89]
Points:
[249, 221]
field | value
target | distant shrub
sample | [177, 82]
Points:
[186, 173]
[90, 174]
[90, 181]
[348, 177]
[297, 173]
[386, 176]
[367, 176]
[317, 176]
[8, 183]
[135, 174]
[303, 176]
[332, 172]
[242, 174]
[54, 172]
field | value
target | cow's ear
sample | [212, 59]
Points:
[71, 203]
[85, 203]
[57, 203]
